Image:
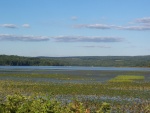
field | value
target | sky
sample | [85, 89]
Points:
[57, 28]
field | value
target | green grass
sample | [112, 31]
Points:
[126, 78]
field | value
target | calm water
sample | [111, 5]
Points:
[24, 68]
[90, 74]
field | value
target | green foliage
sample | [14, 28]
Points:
[43, 104]
[37, 104]
[105, 61]
[105, 108]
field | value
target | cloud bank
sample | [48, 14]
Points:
[104, 27]
[87, 39]
[142, 25]
[143, 20]
[96, 39]
[8, 37]
[91, 46]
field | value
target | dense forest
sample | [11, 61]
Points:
[115, 61]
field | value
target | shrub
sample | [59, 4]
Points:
[41, 104]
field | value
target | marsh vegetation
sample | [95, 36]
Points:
[83, 91]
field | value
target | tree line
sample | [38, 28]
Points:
[106, 61]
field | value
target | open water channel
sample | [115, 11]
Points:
[87, 74]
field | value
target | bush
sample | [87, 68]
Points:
[40, 104]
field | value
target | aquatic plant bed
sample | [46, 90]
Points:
[90, 96]
[80, 92]
[127, 78]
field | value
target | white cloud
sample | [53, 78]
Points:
[8, 37]
[9, 25]
[96, 39]
[142, 24]
[74, 18]
[95, 26]
[13, 26]
[139, 28]
[143, 20]
[104, 27]
[87, 39]
[26, 25]
[91, 46]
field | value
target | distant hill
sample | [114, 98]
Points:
[106, 61]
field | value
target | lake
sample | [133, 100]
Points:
[23, 68]
[81, 73]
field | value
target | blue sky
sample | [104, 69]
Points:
[75, 27]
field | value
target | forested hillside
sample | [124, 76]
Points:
[116, 61]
